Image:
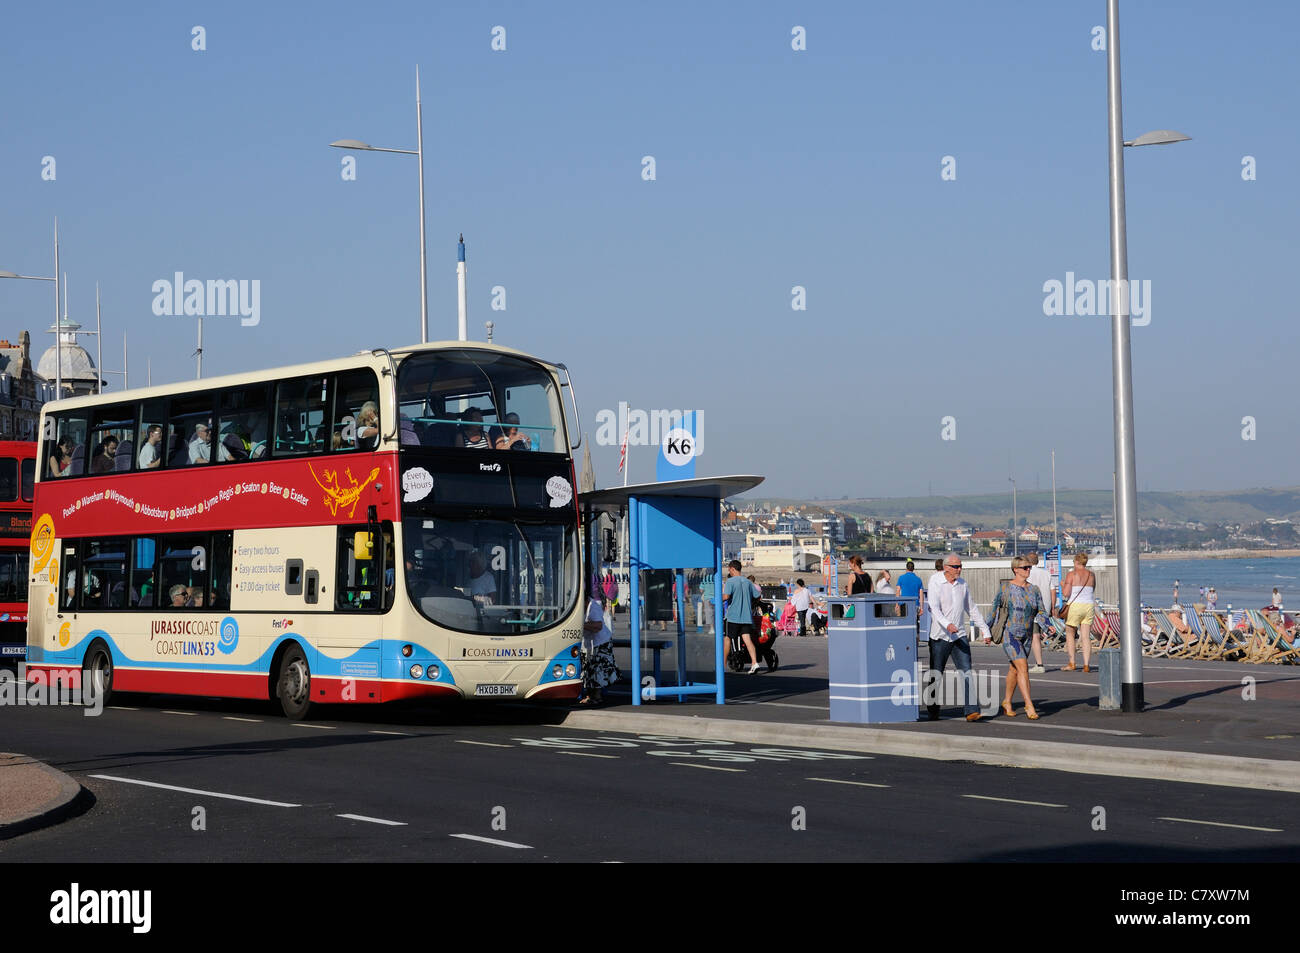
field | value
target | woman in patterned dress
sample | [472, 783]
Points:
[1024, 605]
[598, 668]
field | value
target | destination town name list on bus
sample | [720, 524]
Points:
[184, 512]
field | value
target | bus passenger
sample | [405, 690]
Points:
[472, 435]
[149, 455]
[61, 458]
[196, 597]
[367, 432]
[102, 461]
[201, 444]
[511, 438]
[179, 595]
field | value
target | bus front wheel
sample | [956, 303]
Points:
[97, 675]
[293, 685]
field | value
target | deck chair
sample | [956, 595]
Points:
[1202, 645]
[1182, 646]
[1054, 638]
[1224, 644]
[1266, 641]
[1102, 630]
[1164, 636]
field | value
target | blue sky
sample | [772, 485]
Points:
[774, 168]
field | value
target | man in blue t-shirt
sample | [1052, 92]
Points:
[909, 583]
[739, 594]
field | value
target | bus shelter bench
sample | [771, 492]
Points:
[655, 645]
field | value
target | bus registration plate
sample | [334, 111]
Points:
[494, 690]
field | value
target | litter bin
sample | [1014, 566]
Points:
[1108, 679]
[874, 673]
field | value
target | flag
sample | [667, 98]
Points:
[622, 453]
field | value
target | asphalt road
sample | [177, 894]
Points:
[500, 784]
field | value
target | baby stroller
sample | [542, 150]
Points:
[767, 633]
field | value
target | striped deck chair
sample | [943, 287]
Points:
[1268, 640]
[1054, 638]
[1101, 628]
[1167, 639]
[1183, 646]
[1224, 644]
[1202, 646]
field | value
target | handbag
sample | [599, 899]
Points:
[999, 627]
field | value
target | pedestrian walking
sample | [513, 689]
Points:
[950, 600]
[739, 594]
[599, 669]
[1079, 589]
[1040, 579]
[1018, 612]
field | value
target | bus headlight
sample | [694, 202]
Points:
[434, 672]
[557, 671]
[570, 670]
[417, 671]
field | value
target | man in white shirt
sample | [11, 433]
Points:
[1040, 577]
[949, 599]
[801, 599]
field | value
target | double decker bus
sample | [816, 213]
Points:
[394, 525]
[17, 482]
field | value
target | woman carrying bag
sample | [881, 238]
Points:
[1017, 608]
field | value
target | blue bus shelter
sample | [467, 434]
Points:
[671, 525]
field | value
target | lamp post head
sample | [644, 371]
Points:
[7, 274]
[351, 144]
[1159, 137]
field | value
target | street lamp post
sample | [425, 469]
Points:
[418, 152]
[58, 351]
[1126, 528]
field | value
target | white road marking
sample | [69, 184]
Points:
[373, 820]
[121, 708]
[167, 711]
[172, 787]
[1240, 827]
[1039, 724]
[485, 744]
[303, 724]
[706, 767]
[590, 754]
[491, 840]
[255, 721]
[404, 734]
[1009, 800]
[861, 784]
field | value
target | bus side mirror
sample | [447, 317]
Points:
[363, 544]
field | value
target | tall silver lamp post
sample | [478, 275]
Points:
[1126, 529]
[58, 351]
[419, 154]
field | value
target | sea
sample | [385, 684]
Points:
[1246, 582]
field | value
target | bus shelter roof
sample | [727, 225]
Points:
[709, 488]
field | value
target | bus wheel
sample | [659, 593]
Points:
[97, 675]
[294, 684]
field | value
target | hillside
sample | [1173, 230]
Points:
[1035, 507]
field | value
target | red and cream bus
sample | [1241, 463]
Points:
[17, 481]
[387, 526]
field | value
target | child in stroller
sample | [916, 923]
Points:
[817, 617]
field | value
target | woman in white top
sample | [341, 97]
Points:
[1077, 589]
[598, 667]
[884, 585]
